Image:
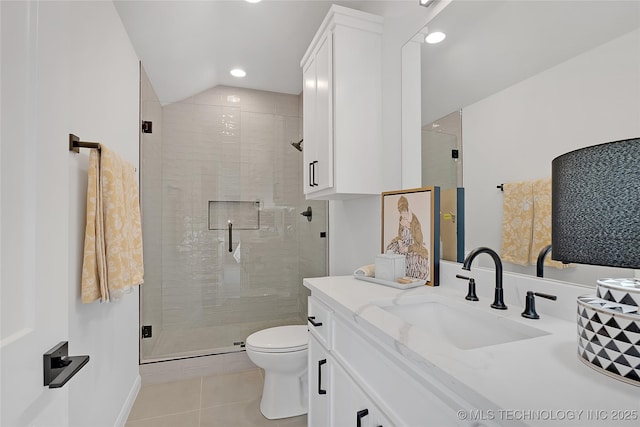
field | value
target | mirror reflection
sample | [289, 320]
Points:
[441, 152]
[534, 80]
[441, 146]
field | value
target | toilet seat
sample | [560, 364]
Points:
[281, 339]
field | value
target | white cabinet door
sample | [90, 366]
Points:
[318, 119]
[319, 384]
[323, 168]
[350, 405]
[308, 123]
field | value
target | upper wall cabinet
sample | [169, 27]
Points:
[342, 106]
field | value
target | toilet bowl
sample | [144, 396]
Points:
[282, 353]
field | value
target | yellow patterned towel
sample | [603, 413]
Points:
[542, 222]
[113, 235]
[517, 222]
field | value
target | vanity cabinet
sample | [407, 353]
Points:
[334, 397]
[356, 381]
[342, 106]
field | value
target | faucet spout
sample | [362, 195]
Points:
[540, 263]
[498, 301]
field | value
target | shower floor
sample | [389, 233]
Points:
[177, 344]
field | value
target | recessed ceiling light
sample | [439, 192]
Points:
[238, 72]
[435, 37]
[253, 1]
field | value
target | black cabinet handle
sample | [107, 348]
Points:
[320, 389]
[230, 237]
[359, 415]
[315, 184]
[312, 319]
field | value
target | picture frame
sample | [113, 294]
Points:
[411, 227]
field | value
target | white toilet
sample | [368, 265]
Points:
[282, 353]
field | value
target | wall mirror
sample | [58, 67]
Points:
[533, 80]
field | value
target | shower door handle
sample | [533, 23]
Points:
[230, 237]
[320, 389]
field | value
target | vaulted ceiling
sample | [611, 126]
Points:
[189, 46]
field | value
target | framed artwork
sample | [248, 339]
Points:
[411, 227]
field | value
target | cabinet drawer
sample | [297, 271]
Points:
[403, 399]
[320, 320]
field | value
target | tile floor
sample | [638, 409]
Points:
[227, 400]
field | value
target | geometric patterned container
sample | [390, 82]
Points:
[609, 337]
[624, 291]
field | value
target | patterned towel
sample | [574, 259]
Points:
[542, 222]
[517, 222]
[113, 234]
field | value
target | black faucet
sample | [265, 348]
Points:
[540, 263]
[498, 301]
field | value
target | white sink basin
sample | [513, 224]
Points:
[461, 324]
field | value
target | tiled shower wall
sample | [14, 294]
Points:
[226, 144]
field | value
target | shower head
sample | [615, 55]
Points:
[297, 145]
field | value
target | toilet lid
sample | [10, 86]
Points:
[279, 339]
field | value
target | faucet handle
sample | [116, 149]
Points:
[530, 304]
[547, 296]
[471, 293]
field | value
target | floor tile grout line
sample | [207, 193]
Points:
[162, 415]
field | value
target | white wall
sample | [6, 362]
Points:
[85, 81]
[514, 134]
[104, 106]
[355, 225]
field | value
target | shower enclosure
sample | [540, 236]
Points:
[225, 244]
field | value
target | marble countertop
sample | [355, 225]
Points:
[535, 381]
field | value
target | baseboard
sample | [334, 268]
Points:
[128, 403]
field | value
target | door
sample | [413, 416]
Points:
[33, 226]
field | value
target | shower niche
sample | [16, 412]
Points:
[242, 215]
